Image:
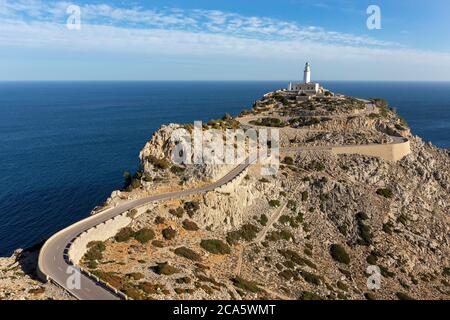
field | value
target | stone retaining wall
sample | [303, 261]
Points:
[388, 152]
[101, 232]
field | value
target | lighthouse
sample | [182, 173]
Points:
[307, 74]
[306, 88]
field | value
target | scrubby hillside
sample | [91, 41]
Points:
[308, 232]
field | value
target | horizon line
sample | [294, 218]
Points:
[215, 80]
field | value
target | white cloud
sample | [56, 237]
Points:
[134, 31]
[209, 21]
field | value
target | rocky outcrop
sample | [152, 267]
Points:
[18, 279]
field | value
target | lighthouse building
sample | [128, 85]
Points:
[306, 87]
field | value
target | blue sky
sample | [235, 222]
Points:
[224, 40]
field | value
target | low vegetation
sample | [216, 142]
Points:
[274, 203]
[246, 285]
[247, 232]
[169, 233]
[143, 236]
[187, 253]
[385, 192]
[166, 269]
[190, 225]
[339, 254]
[269, 122]
[158, 163]
[215, 246]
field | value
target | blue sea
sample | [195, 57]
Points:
[65, 145]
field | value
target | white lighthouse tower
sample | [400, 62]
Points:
[307, 74]
[306, 88]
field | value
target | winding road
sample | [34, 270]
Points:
[53, 262]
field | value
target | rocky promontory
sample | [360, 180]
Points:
[324, 226]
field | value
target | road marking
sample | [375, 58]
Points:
[60, 269]
[54, 258]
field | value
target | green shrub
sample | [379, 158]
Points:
[135, 276]
[342, 286]
[308, 252]
[183, 280]
[247, 232]
[287, 274]
[343, 229]
[246, 285]
[364, 230]
[215, 246]
[187, 253]
[114, 280]
[166, 269]
[263, 180]
[191, 207]
[124, 235]
[158, 243]
[365, 234]
[305, 196]
[403, 296]
[268, 122]
[178, 212]
[133, 293]
[274, 203]
[160, 220]
[132, 214]
[370, 296]
[316, 166]
[402, 219]
[385, 192]
[386, 273]
[92, 264]
[151, 288]
[289, 161]
[310, 277]
[339, 254]
[361, 216]
[306, 295]
[144, 235]
[190, 225]
[98, 245]
[169, 233]
[158, 163]
[263, 220]
[177, 169]
[280, 235]
[284, 219]
[372, 259]
[387, 227]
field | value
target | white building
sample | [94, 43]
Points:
[307, 87]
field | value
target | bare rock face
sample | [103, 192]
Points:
[161, 145]
[225, 211]
[165, 144]
[18, 279]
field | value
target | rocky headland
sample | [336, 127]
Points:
[313, 230]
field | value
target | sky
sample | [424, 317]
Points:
[223, 40]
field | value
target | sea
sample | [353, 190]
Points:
[65, 145]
